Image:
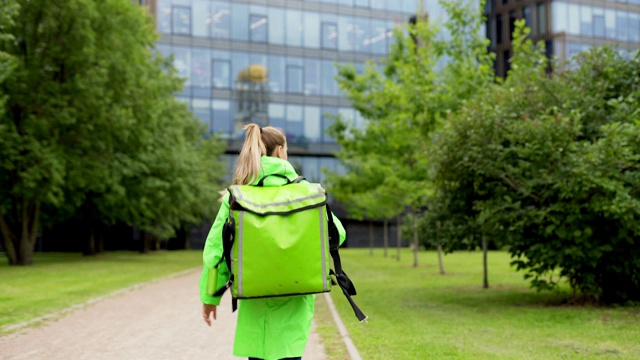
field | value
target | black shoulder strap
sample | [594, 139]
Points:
[228, 231]
[348, 289]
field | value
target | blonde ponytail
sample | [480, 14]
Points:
[248, 164]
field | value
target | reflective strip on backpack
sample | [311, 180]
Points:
[322, 248]
[239, 241]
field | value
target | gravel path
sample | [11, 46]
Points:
[160, 320]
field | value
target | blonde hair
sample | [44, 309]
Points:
[257, 142]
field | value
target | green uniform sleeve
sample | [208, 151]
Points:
[212, 254]
[341, 230]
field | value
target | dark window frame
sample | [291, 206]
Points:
[266, 31]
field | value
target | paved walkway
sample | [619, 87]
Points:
[161, 320]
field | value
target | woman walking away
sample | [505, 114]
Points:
[268, 328]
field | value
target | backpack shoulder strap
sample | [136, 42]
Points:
[347, 287]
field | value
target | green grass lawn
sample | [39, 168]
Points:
[60, 280]
[416, 313]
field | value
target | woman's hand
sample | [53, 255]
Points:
[207, 310]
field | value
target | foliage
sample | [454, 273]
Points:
[386, 159]
[92, 128]
[523, 164]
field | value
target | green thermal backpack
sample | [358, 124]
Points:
[278, 241]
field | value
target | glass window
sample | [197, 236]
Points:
[512, 23]
[574, 19]
[312, 122]
[221, 122]
[220, 20]
[410, 6]
[277, 116]
[295, 125]
[329, 85]
[311, 30]
[499, 29]
[559, 16]
[329, 164]
[311, 168]
[239, 63]
[239, 21]
[311, 77]
[328, 116]
[506, 63]
[396, 5]
[201, 18]
[634, 27]
[294, 27]
[345, 32]
[610, 23]
[361, 3]
[258, 29]
[379, 37]
[526, 13]
[362, 35]
[378, 4]
[586, 27]
[181, 20]
[276, 66]
[164, 16]
[541, 18]
[200, 69]
[622, 27]
[329, 35]
[221, 73]
[598, 22]
[202, 111]
[276, 26]
[182, 62]
[294, 79]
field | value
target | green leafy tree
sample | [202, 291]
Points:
[523, 163]
[91, 127]
[387, 160]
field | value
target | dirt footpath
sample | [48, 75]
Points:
[161, 320]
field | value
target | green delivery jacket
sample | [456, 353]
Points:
[268, 328]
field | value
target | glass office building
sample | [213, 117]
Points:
[273, 62]
[567, 27]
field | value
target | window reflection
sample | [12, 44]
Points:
[220, 24]
[258, 28]
[201, 17]
[276, 26]
[294, 27]
[221, 73]
[181, 20]
[251, 97]
[329, 35]
[221, 114]
[239, 22]
[294, 79]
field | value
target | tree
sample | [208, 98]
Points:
[403, 105]
[93, 129]
[523, 163]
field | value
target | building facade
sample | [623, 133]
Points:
[273, 63]
[567, 27]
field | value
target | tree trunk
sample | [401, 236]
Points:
[485, 275]
[19, 239]
[386, 237]
[371, 238]
[399, 237]
[90, 246]
[415, 241]
[440, 261]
